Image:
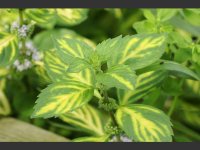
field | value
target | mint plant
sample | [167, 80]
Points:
[80, 73]
[141, 85]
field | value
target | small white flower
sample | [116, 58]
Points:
[23, 31]
[123, 138]
[15, 25]
[36, 56]
[16, 63]
[27, 64]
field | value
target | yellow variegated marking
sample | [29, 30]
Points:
[147, 43]
[123, 81]
[70, 50]
[148, 124]
[87, 118]
[47, 108]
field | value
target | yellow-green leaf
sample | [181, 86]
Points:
[68, 49]
[120, 76]
[55, 67]
[62, 97]
[144, 84]
[92, 139]
[43, 17]
[71, 16]
[8, 48]
[144, 123]
[87, 118]
[139, 50]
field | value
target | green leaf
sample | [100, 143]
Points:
[57, 70]
[106, 48]
[55, 67]
[87, 118]
[182, 24]
[145, 26]
[144, 84]
[166, 14]
[149, 15]
[8, 48]
[44, 41]
[191, 17]
[139, 50]
[62, 97]
[71, 16]
[173, 67]
[68, 49]
[92, 139]
[43, 17]
[120, 76]
[144, 123]
[78, 65]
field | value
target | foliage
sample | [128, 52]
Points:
[126, 83]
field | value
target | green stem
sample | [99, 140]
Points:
[111, 113]
[21, 21]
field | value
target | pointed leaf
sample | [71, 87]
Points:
[144, 84]
[120, 76]
[8, 48]
[71, 16]
[144, 123]
[68, 49]
[86, 118]
[60, 98]
[92, 139]
[139, 50]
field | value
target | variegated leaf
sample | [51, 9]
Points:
[92, 139]
[144, 123]
[68, 49]
[139, 50]
[106, 48]
[71, 16]
[55, 67]
[87, 118]
[144, 84]
[8, 48]
[43, 17]
[120, 76]
[57, 70]
[62, 97]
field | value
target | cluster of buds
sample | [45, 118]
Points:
[23, 31]
[31, 55]
[123, 138]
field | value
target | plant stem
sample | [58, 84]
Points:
[21, 21]
[111, 113]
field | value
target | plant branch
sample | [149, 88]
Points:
[21, 21]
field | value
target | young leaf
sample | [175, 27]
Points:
[106, 48]
[120, 76]
[144, 84]
[166, 14]
[43, 17]
[62, 97]
[86, 118]
[78, 65]
[139, 50]
[8, 48]
[144, 123]
[92, 139]
[68, 49]
[71, 16]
